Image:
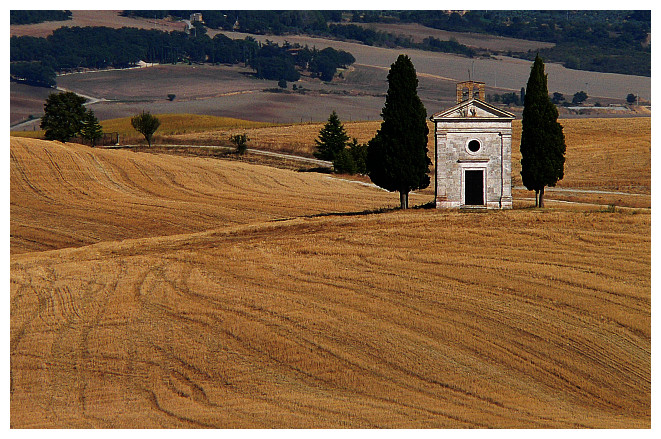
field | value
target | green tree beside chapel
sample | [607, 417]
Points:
[332, 139]
[351, 160]
[397, 157]
[91, 129]
[542, 140]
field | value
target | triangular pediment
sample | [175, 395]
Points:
[472, 109]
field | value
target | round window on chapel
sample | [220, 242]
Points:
[474, 146]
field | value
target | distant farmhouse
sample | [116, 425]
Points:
[473, 150]
[194, 18]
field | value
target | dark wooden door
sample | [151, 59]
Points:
[474, 187]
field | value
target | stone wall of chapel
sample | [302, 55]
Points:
[453, 157]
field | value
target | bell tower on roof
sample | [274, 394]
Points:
[467, 90]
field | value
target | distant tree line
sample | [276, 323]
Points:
[553, 26]
[255, 22]
[510, 98]
[598, 40]
[319, 23]
[613, 41]
[372, 37]
[32, 17]
[33, 73]
[598, 59]
[272, 61]
[35, 60]
[557, 98]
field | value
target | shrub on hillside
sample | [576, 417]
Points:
[344, 163]
[241, 142]
[351, 160]
[146, 124]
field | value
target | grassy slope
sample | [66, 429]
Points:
[174, 124]
[602, 153]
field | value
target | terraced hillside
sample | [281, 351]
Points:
[169, 296]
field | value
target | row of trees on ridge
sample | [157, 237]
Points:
[396, 158]
[66, 117]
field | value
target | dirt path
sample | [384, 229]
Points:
[322, 163]
[91, 100]
[586, 191]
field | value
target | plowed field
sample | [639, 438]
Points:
[182, 292]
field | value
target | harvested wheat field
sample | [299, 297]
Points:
[254, 313]
[65, 195]
[415, 319]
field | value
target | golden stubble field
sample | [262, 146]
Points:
[65, 195]
[407, 319]
[161, 291]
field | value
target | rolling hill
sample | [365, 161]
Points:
[152, 290]
[66, 195]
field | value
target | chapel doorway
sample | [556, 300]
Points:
[474, 187]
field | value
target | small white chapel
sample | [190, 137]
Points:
[473, 150]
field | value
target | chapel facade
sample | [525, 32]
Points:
[473, 150]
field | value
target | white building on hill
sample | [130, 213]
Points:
[473, 150]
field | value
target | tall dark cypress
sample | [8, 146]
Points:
[542, 140]
[397, 157]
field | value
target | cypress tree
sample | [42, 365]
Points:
[332, 139]
[542, 140]
[397, 155]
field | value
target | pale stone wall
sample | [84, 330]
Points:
[494, 158]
